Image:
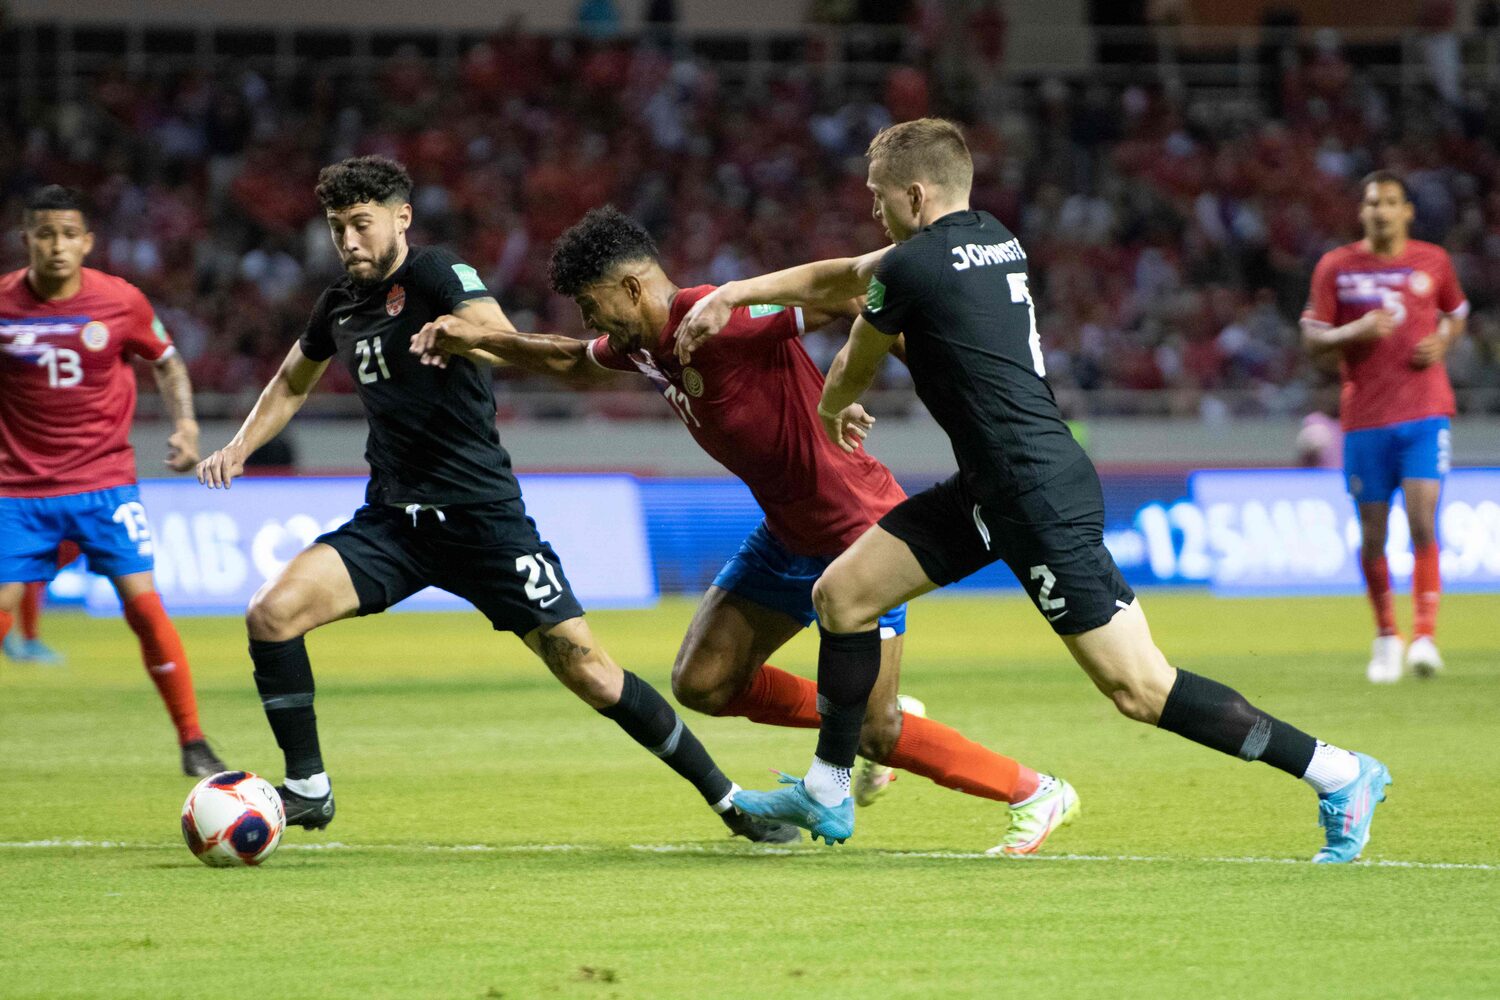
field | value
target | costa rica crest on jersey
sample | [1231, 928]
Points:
[1420, 283]
[95, 335]
[395, 301]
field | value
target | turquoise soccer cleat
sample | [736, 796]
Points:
[1345, 815]
[31, 651]
[835, 824]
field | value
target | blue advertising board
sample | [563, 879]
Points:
[1264, 531]
[214, 548]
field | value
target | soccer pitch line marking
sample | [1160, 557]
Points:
[750, 851]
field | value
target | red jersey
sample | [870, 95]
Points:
[750, 399]
[1416, 286]
[67, 394]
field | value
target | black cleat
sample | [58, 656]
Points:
[758, 830]
[199, 761]
[312, 814]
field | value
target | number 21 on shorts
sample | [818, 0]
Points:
[532, 567]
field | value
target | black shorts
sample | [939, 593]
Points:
[489, 554]
[1051, 537]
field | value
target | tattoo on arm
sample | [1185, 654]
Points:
[175, 386]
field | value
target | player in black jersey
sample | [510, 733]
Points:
[956, 287]
[442, 507]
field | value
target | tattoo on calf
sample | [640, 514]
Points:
[559, 652]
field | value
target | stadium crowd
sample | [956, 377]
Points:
[1172, 230]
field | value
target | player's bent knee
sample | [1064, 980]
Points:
[275, 614]
[838, 606]
[698, 686]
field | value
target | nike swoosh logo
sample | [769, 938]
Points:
[548, 603]
[1053, 618]
[343, 320]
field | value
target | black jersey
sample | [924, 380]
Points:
[958, 290]
[432, 430]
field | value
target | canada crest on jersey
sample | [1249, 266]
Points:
[395, 301]
[95, 336]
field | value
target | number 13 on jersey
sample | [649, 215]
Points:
[1020, 291]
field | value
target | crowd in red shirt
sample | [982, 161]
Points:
[1172, 233]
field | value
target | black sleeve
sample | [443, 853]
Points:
[896, 290]
[317, 340]
[447, 279]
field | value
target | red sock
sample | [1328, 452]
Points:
[31, 609]
[66, 553]
[947, 757]
[1426, 588]
[161, 649]
[5, 622]
[1378, 586]
[776, 698]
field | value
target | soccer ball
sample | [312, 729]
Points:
[233, 818]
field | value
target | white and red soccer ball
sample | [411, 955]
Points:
[233, 818]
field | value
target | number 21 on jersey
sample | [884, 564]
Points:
[1020, 291]
[369, 350]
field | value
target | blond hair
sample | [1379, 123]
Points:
[927, 149]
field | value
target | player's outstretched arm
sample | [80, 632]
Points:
[826, 285]
[851, 374]
[559, 357]
[176, 389]
[1373, 325]
[282, 397]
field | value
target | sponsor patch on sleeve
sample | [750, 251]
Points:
[875, 296]
[158, 329]
[468, 278]
[756, 312]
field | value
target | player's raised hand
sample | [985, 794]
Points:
[1379, 323]
[182, 448]
[848, 427]
[222, 467]
[707, 317]
[1429, 350]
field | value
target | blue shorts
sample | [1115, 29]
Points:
[108, 525]
[1377, 459]
[768, 573]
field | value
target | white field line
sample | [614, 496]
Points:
[732, 850]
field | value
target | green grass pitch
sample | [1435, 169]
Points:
[497, 839]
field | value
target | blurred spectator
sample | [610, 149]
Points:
[1171, 230]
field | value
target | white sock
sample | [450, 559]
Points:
[727, 802]
[1331, 768]
[1044, 784]
[310, 788]
[827, 783]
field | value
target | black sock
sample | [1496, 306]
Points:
[1207, 712]
[848, 664]
[284, 678]
[645, 715]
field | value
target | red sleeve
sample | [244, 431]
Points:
[607, 357]
[1450, 295]
[1322, 299]
[146, 337]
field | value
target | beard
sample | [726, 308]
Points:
[382, 266]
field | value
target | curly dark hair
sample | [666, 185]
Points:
[362, 178]
[600, 240]
[55, 198]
